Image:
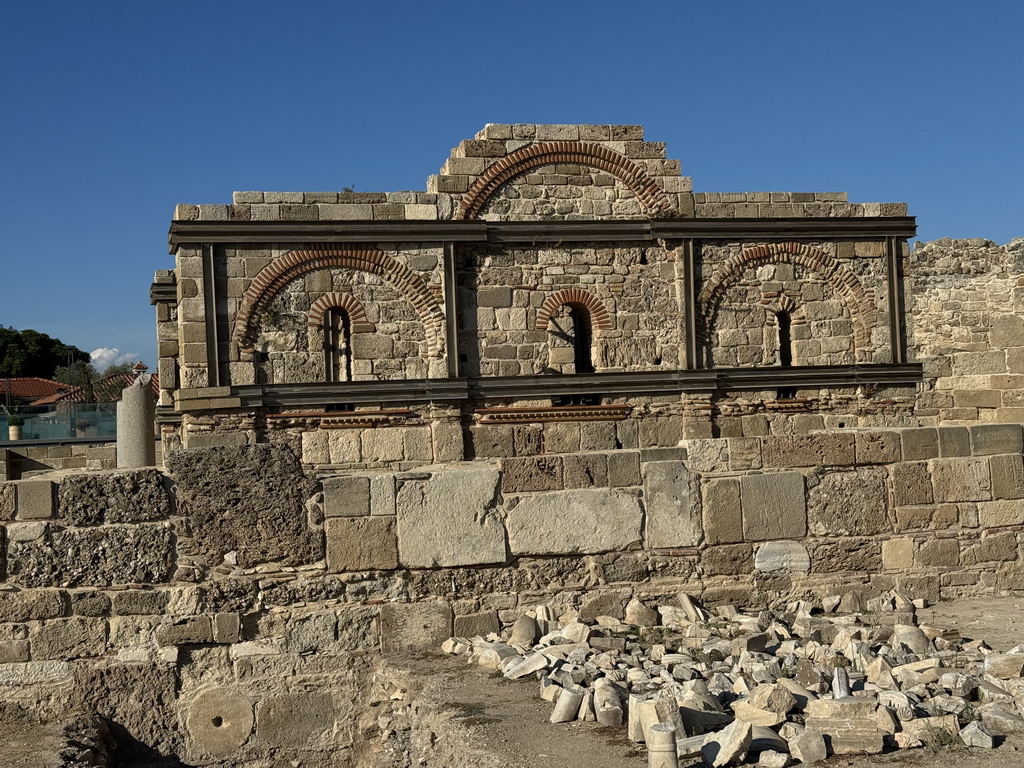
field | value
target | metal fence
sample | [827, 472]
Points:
[66, 420]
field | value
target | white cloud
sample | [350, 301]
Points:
[104, 357]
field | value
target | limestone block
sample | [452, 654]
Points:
[450, 519]
[89, 603]
[346, 496]
[987, 439]
[848, 724]
[954, 441]
[415, 626]
[919, 444]
[562, 437]
[384, 444]
[673, 518]
[63, 639]
[294, 719]
[361, 543]
[723, 517]
[997, 547]
[226, 627]
[965, 479]
[597, 436]
[993, 514]
[774, 506]
[877, 447]
[446, 440]
[227, 494]
[477, 624]
[316, 447]
[34, 499]
[220, 720]
[898, 554]
[1007, 472]
[585, 470]
[312, 632]
[979, 363]
[833, 449]
[911, 483]
[33, 672]
[541, 473]
[113, 496]
[574, 522]
[7, 503]
[139, 602]
[13, 651]
[707, 455]
[32, 605]
[491, 441]
[727, 560]
[927, 517]
[343, 447]
[744, 453]
[944, 553]
[848, 502]
[187, 631]
[382, 494]
[623, 468]
[846, 554]
[1006, 331]
[786, 556]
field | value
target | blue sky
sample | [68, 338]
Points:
[113, 112]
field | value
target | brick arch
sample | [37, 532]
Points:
[600, 320]
[294, 264]
[650, 195]
[858, 302]
[346, 302]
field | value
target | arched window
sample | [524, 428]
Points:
[570, 340]
[784, 323]
[337, 345]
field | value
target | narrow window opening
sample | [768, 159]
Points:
[785, 351]
[582, 340]
[337, 345]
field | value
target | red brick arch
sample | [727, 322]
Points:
[346, 302]
[650, 195]
[600, 320]
[294, 264]
[858, 302]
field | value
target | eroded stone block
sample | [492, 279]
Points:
[961, 479]
[346, 496]
[723, 516]
[113, 496]
[361, 543]
[774, 506]
[848, 502]
[574, 522]
[415, 626]
[294, 719]
[673, 518]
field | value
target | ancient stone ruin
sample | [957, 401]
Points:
[557, 376]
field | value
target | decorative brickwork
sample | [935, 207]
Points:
[600, 320]
[295, 264]
[858, 302]
[650, 195]
[343, 301]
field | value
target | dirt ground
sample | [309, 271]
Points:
[511, 721]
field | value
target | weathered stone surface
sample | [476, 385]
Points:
[773, 506]
[574, 522]
[248, 500]
[1007, 473]
[63, 639]
[848, 503]
[113, 496]
[474, 624]
[450, 519]
[728, 746]
[911, 483]
[13, 651]
[534, 473]
[996, 513]
[346, 496]
[188, 631]
[90, 603]
[7, 501]
[789, 556]
[135, 602]
[830, 449]
[989, 439]
[361, 543]
[808, 746]
[848, 724]
[34, 499]
[723, 515]
[93, 556]
[415, 626]
[673, 518]
[623, 468]
[294, 719]
[961, 479]
[220, 720]
[32, 605]
[853, 554]
[877, 447]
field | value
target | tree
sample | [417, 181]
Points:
[95, 387]
[31, 353]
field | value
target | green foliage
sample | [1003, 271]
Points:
[96, 387]
[14, 415]
[30, 353]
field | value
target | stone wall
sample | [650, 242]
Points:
[18, 462]
[966, 304]
[235, 586]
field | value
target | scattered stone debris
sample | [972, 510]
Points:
[771, 688]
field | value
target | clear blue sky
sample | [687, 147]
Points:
[113, 112]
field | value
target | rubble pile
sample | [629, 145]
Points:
[841, 676]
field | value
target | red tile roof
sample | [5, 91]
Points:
[30, 388]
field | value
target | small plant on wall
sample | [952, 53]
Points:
[15, 421]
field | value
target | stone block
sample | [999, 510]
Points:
[848, 725]
[848, 502]
[447, 442]
[139, 602]
[1007, 473]
[727, 560]
[346, 496]
[988, 439]
[65, 639]
[382, 494]
[90, 603]
[995, 547]
[597, 436]
[562, 437]
[342, 447]
[846, 554]
[7, 501]
[786, 556]
[294, 720]
[673, 517]
[774, 506]
[994, 514]
[477, 624]
[220, 720]
[941, 553]
[977, 398]
[541, 473]
[494, 297]
[966, 479]
[898, 554]
[189, 631]
[13, 651]
[32, 605]
[877, 447]
[361, 543]
[491, 441]
[574, 522]
[384, 444]
[911, 483]
[585, 470]
[415, 626]
[927, 517]
[34, 499]
[226, 627]
[623, 468]
[450, 519]
[312, 632]
[744, 453]
[1006, 331]
[831, 449]
[919, 444]
[723, 516]
[979, 363]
